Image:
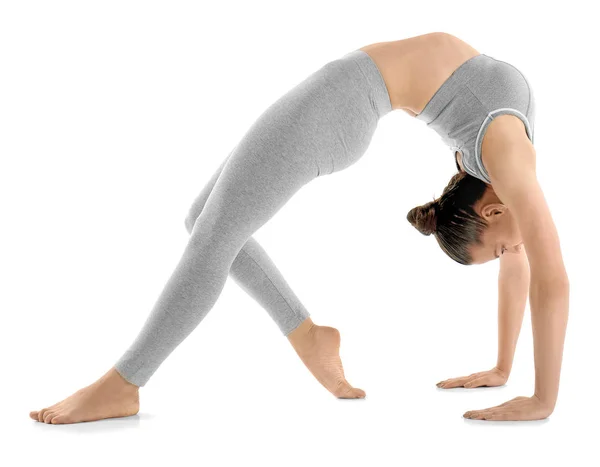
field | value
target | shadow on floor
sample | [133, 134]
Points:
[99, 426]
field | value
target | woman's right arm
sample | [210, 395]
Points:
[513, 290]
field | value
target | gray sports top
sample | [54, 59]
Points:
[478, 91]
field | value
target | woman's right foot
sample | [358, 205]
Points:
[319, 348]
[109, 397]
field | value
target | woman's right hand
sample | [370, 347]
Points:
[493, 377]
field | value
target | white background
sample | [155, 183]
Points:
[114, 114]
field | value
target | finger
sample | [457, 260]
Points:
[477, 382]
[471, 413]
[454, 382]
[481, 414]
[476, 413]
[460, 378]
[449, 380]
[441, 383]
[508, 415]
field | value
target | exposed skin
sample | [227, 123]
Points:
[509, 158]
[513, 288]
[413, 69]
[518, 212]
[550, 311]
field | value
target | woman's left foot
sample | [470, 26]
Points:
[109, 397]
[319, 348]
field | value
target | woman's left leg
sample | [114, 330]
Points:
[253, 270]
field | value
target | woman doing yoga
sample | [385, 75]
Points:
[493, 207]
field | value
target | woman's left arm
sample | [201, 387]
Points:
[509, 158]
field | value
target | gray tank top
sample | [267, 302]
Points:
[478, 91]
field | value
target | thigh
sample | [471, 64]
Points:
[196, 208]
[255, 181]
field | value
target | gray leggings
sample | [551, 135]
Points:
[323, 125]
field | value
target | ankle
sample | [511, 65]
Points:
[114, 379]
[303, 333]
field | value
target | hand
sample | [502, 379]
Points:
[519, 408]
[493, 377]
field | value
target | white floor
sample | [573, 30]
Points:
[275, 426]
[214, 405]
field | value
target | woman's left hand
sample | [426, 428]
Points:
[519, 408]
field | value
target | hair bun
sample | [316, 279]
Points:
[424, 218]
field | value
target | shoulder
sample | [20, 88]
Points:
[509, 158]
[506, 147]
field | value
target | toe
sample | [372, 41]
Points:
[41, 414]
[55, 419]
[342, 389]
[345, 391]
[48, 416]
[34, 415]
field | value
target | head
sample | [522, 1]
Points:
[469, 221]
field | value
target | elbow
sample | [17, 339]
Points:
[553, 285]
[552, 279]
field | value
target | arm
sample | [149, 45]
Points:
[513, 286]
[509, 158]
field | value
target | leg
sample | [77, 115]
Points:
[321, 126]
[256, 181]
[253, 185]
[246, 193]
[256, 273]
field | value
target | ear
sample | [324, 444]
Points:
[492, 211]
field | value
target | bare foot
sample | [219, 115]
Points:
[109, 397]
[319, 348]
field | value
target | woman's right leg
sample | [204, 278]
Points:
[254, 271]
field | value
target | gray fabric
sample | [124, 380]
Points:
[478, 91]
[255, 272]
[321, 126]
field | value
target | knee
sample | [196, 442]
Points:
[190, 220]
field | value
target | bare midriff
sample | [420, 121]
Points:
[415, 68]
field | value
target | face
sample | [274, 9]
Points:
[501, 237]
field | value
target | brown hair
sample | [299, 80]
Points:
[452, 219]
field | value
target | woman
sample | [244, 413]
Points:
[493, 207]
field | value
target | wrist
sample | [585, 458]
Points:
[503, 370]
[547, 403]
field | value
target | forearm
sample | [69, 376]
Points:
[549, 303]
[513, 289]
